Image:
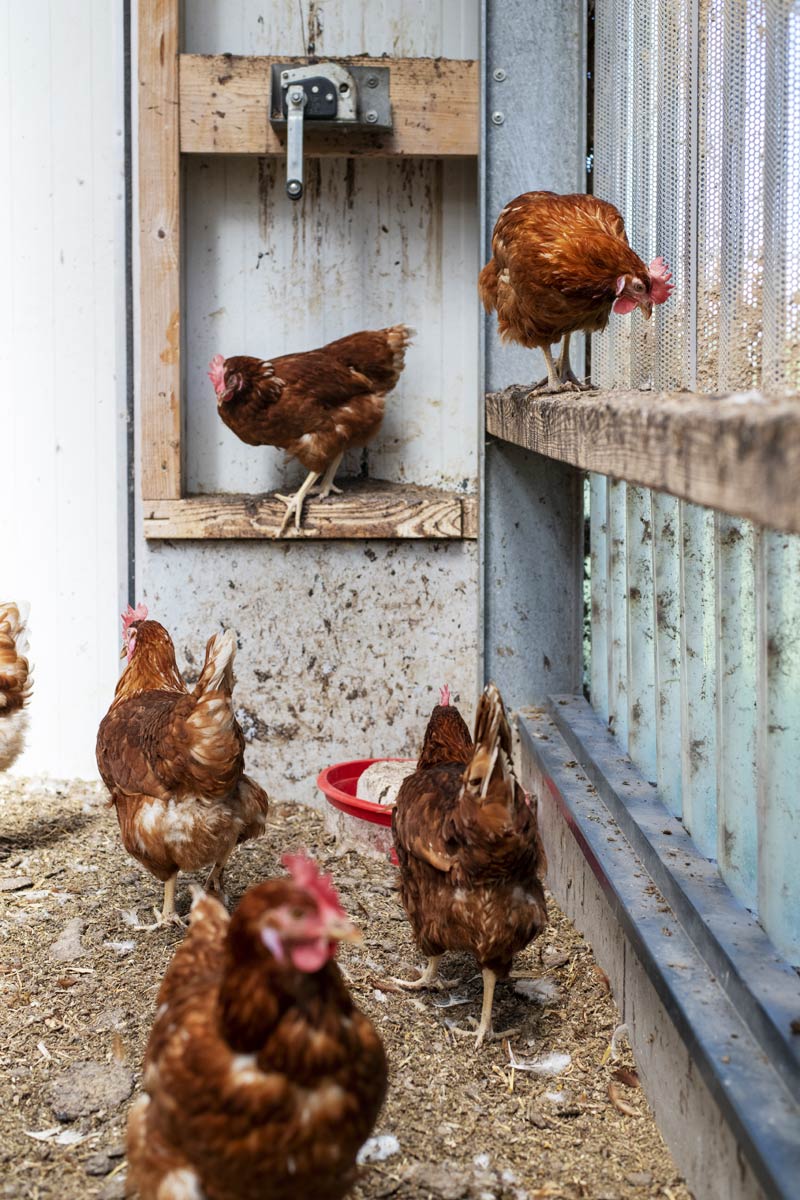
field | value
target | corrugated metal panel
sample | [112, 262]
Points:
[617, 612]
[598, 517]
[640, 635]
[62, 331]
[698, 676]
[737, 816]
[666, 579]
[779, 750]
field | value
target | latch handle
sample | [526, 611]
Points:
[296, 102]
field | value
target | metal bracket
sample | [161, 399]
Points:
[332, 95]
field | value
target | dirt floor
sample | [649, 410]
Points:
[78, 986]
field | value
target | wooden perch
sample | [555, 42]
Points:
[368, 508]
[739, 454]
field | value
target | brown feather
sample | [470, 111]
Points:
[470, 856]
[554, 267]
[261, 1080]
[317, 404]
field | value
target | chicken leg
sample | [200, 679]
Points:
[324, 489]
[167, 916]
[428, 978]
[294, 504]
[560, 376]
[484, 1030]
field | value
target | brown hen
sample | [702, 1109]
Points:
[173, 760]
[314, 405]
[262, 1078]
[560, 264]
[470, 856]
[15, 684]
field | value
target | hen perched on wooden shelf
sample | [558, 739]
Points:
[15, 683]
[262, 1078]
[468, 846]
[560, 264]
[314, 405]
[173, 760]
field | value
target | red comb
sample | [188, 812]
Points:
[660, 286]
[216, 373]
[444, 695]
[305, 873]
[133, 614]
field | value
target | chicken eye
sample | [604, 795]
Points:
[297, 914]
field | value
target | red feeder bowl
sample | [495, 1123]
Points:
[338, 784]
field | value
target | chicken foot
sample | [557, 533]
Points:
[168, 915]
[294, 504]
[484, 1031]
[560, 376]
[428, 979]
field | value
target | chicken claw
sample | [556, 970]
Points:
[483, 1031]
[560, 376]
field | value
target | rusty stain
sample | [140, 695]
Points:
[171, 352]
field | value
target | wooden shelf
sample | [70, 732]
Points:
[368, 508]
[739, 454]
[224, 109]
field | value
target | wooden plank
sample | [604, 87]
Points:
[159, 233]
[739, 454]
[224, 109]
[366, 509]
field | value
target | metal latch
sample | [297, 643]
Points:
[343, 97]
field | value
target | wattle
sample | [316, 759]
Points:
[311, 956]
[624, 305]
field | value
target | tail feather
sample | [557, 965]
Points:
[217, 673]
[491, 765]
[15, 672]
[487, 285]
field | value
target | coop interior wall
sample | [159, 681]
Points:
[63, 487]
[342, 645]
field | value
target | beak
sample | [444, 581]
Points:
[342, 930]
[647, 309]
[123, 652]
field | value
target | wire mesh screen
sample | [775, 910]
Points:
[697, 142]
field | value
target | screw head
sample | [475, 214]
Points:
[296, 97]
[371, 116]
[499, 74]
[372, 81]
[498, 118]
[294, 188]
[329, 95]
[314, 89]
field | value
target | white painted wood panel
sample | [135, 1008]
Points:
[370, 244]
[62, 357]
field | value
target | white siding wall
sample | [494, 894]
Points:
[62, 361]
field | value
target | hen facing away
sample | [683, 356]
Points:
[560, 264]
[173, 760]
[15, 683]
[262, 1078]
[470, 856]
[314, 405]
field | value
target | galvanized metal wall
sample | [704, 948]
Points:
[697, 141]
[63, 486]
[343, 645]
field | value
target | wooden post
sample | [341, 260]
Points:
[159, 229]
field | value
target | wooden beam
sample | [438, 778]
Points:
[739, 454]
[224, 109]
[367, 508]
[159, 231]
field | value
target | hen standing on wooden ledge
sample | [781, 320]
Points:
[560, 264]
[314, 405]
